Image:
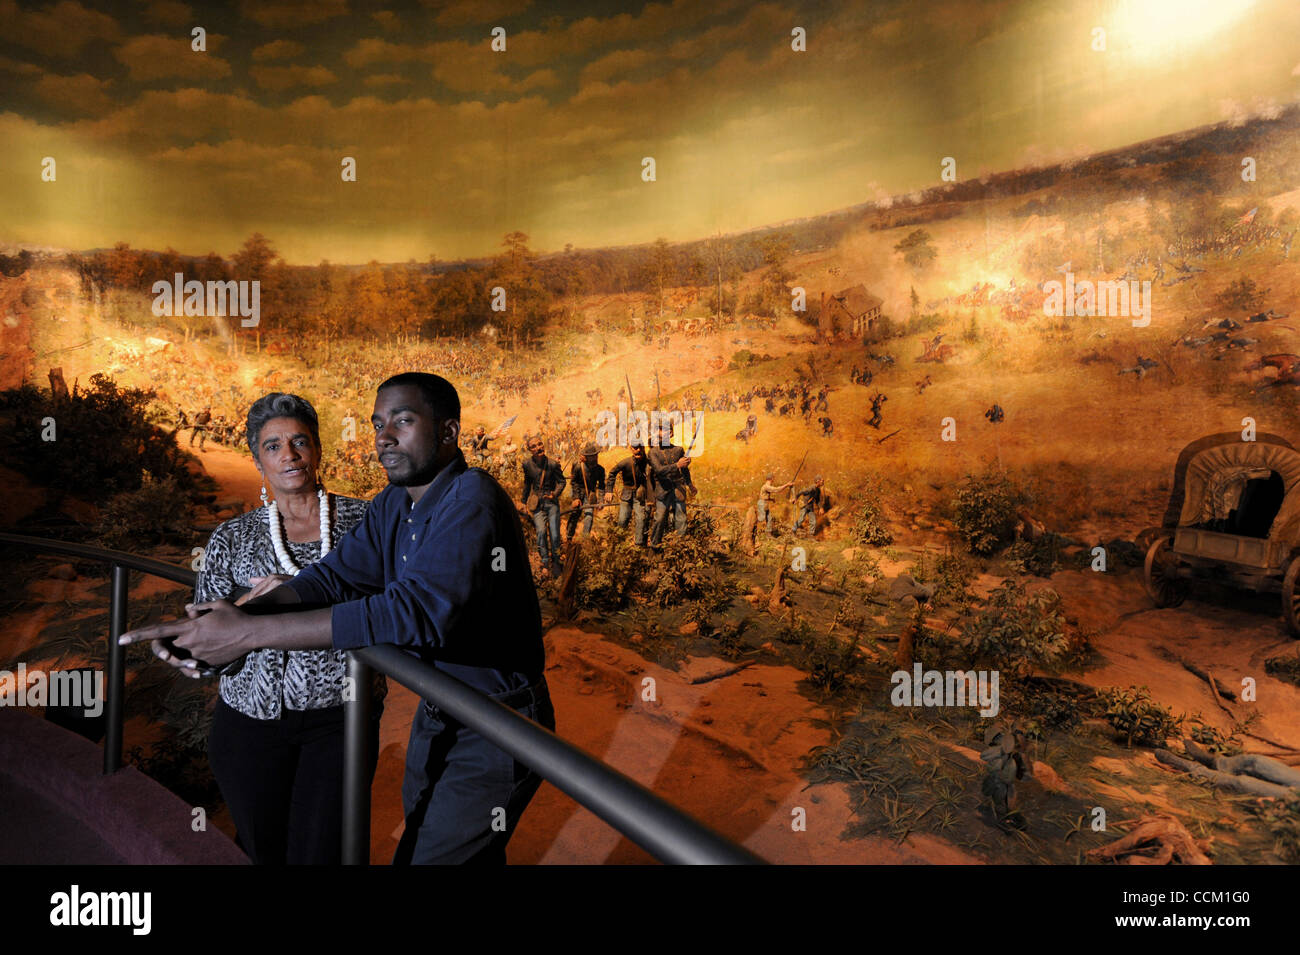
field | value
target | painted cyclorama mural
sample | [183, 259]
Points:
[897, 402]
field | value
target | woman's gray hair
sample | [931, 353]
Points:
[280, 405]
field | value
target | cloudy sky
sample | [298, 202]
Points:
[455, 143]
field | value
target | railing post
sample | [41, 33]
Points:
[357, 705]
[115, 679]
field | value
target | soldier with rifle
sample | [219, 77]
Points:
[670, 466]
[636, 486]
[766, 498]
[586, 484]
[810, 498]
[543, 482]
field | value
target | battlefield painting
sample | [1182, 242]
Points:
[899, 402]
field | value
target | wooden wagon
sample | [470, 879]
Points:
[1233, 517]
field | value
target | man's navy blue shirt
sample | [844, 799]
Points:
[447, 577]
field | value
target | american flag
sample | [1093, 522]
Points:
[503, 426]
[1249, 217]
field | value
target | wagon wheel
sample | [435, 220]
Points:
[1162, 581]
[1291, 596]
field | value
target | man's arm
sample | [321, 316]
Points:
[528, 481]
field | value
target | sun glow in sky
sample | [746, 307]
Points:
[456, 144]
[1161, 28]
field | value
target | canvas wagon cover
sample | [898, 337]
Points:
[1216, 476]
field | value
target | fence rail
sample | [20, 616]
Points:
[651, 822]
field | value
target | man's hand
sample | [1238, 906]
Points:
[262, 585]
[215, 638]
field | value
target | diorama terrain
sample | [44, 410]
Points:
[959, 533]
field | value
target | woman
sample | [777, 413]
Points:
[276, 745]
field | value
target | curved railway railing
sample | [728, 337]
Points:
[660, 828]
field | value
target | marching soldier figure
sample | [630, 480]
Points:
[543, 482]
[201, 427]
[586, 481]
[478, 446]
[877, 400]
[672, 477]
[810, 498]
[637, 484]
[766, 498]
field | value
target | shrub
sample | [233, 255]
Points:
[950, 574]
[1135, 716]
[157, 512]
[1037, 557]
[985, 511]
[103, 443]
[871, 527]
[1018, 632]
[610, 569]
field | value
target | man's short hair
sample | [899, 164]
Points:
[439, 393]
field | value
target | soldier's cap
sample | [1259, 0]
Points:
[589, 449]
[636, 443]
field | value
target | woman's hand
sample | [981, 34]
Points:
[262, 585]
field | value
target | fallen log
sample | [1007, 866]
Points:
[1163, 835]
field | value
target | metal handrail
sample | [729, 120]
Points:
[656, 825]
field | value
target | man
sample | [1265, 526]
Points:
[586, 481]
[543, 482]
[810, 498]
[766, 497]
[478, 446]
[877, 404]
[636, 486]
[201, 427]
[437, 566]
[672, 477]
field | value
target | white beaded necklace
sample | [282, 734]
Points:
[277, 536]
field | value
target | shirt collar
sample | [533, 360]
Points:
[423, 508]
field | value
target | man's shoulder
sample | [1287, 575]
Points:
[477, 486]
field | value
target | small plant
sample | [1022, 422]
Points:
[1286, 667]
[1136, 717]
[832, 663]
[1038, 557]
[950, 574]
[1214, 740]
[985, 511]
[1281, 817]
[1019, 632]
[158, 511]
[610, 569]
[871, 527]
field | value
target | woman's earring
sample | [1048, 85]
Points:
[264, 500]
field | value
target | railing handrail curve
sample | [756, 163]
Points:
[665, 831]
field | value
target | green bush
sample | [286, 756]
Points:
[610, 570]
[156, 512]
[102, 446]
[1019, 632]
[985, 511]
[950, 574]
[871, 527]
[1136, 717]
